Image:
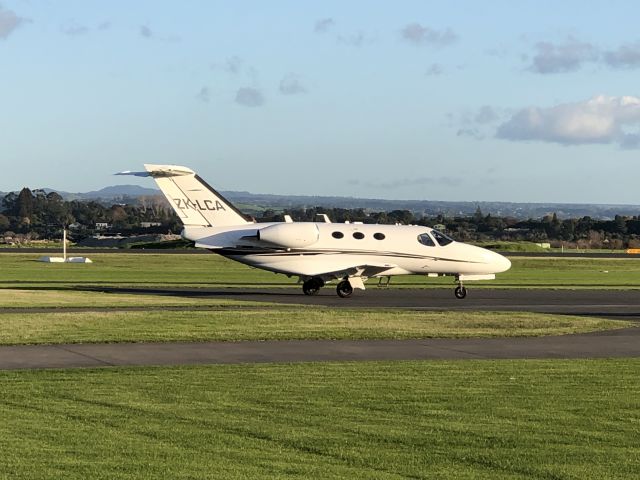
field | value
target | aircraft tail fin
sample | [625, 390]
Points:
[195, 202]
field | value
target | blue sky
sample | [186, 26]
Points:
[461, 100]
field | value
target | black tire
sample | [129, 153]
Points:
[344, 289]
[312, 286]
[460, 292]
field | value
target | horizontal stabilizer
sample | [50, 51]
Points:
[160, 171]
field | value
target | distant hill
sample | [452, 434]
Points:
[435, 207]
[253, 203]
[114, 192]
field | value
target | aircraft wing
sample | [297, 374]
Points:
[355, 272]
[338, 267]
[366, 270]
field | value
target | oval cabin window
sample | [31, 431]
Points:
[358, 235]
[337, 234]
[378, 236]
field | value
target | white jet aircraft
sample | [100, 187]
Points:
[318, 252]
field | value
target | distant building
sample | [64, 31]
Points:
[150, 224]
[102, 226]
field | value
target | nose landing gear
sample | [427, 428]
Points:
[460, 292]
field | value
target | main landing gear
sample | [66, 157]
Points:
[344, 289]
[312, 286]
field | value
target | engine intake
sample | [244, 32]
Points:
[290, 235]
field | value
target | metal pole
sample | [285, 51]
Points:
[64, 244]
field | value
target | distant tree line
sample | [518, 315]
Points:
[36, 214]
[40, 215]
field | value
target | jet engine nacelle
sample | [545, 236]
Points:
[290, 235]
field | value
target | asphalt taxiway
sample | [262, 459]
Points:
[604, 303]
[608, 344]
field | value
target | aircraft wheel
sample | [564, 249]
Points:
[460, 292]
[312, 286]
[344, 289]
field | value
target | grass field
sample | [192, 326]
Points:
[21, 270]
[282, 323]
[463, 420]
[175, 318]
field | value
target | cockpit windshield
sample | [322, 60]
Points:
[425, 239]
[441, 238]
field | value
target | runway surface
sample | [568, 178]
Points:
[612, 304]
[605, 303]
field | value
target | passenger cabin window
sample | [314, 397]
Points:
[441, 238]
[378, 236]
[358, 235]
[426, 239]
[337, 234]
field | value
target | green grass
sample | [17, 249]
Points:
[512, 246]
[134, 269]
[465, 419]
[556, 272]
[21, 270]
[42, 297]
[283, 323]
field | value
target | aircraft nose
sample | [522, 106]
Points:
[500, 262]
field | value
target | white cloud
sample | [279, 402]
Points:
[419, 35]
[470, 132]
[601, 119]
[9, 21]
[573, 54]
[291, 85]
[145, 31]
[486, 114]
[204, 95]
[626, 56]
[249, 97]
[233, 65]
[561, 58]
[323, 25]
[354, 40]
[74, 29]
[434, 70]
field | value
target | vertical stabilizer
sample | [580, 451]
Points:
[194, 201]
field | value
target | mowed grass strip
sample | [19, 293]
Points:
[45, 298]
[557, 272]
[283, 324]
[519, 419]
[134, 269]
[211, 271]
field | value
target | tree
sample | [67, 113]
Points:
[24, 203]
[620, 224]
